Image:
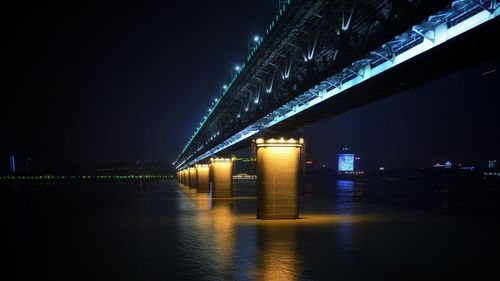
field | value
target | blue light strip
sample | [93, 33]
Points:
[462, 16]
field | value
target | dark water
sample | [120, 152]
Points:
[159, 231]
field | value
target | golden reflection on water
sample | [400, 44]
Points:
[310, 219]
[275, 241]
[224, 232]
[215, 222]
[277, 259]
[202, 201]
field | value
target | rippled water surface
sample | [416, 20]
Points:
[161, 231]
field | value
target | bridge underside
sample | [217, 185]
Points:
[470, 49]
[442, 60]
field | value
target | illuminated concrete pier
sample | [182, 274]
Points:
[221, 170]
[186, 177]
[183, 176]
[278, 164]
[192, 177]
[202, 178]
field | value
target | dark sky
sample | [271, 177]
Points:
[99, 82]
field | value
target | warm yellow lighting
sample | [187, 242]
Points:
[223, 228]
[222, 171]
[202, 201]
[277, 170]
[277, 262]
[279, 145]
[192, 180]
[260, 141]
[202, 178]
[220, 160]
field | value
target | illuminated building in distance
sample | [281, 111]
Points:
[12, 160]
[346, 161]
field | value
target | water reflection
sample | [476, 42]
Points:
[234, 245]
[223, 227]
[346, 191]
[262, 251]
[210, 223]
[277, 257]
[164, 232]
[345, 200]
[203, 201]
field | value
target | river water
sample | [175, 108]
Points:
[158, 230]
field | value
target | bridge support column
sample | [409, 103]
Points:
[192, 177]
[202, 178]
[181, 172]
[185, 180]
[222, 177]
[278, 165]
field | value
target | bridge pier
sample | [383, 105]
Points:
[278, 165]
[192, 177]
[221, 170]
[202, 178]
[183, 176]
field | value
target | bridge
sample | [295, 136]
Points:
[320, 58]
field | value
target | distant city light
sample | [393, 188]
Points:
[12, 164]
[470, 168]
[346, 162]
[86, 177]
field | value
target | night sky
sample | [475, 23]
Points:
[92, 83]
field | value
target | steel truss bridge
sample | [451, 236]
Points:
[319, 58]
